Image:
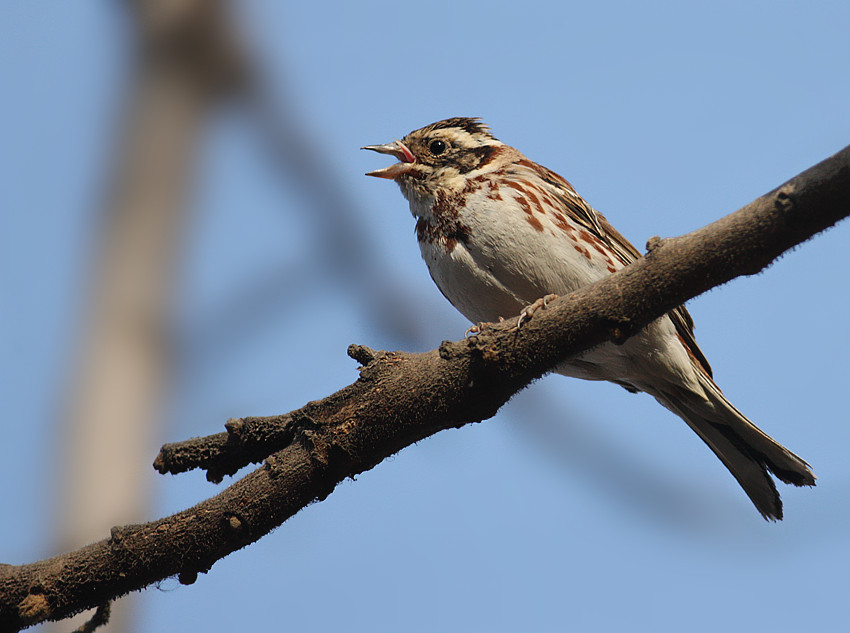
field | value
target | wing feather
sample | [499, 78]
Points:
[598, 225]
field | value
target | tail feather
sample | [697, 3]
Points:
[748, 452]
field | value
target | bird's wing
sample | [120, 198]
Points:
[599, 226]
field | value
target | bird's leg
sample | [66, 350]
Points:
[529, 310]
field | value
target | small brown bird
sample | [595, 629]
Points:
[499, 232]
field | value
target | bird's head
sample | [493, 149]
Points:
[440, 155]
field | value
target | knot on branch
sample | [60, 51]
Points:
[235, 428]
[785, 203]
[654, 243]
[163, 461]
[34, 608]
[312, 436]
[362, 354]
[449, 350]
[236, 524]
[189, 575]
[482, 347]
[119, 533]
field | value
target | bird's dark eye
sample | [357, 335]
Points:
[437, 147]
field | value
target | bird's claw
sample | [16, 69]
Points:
[529, 310]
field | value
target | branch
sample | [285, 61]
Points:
[247, 440]
[401, 398]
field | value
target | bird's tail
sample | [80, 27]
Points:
[746, 450]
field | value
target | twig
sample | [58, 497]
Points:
[98, 619]
[247, 441]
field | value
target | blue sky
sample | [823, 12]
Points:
[579, 506]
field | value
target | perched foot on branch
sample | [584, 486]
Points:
[529, 310]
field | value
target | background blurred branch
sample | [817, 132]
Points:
[401, 398]
[346, 251]
[186, 59]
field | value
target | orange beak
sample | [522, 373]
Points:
[400, 151]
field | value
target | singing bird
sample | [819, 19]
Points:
[499, 232]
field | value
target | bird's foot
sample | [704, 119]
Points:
[473, 330]
[529, 310]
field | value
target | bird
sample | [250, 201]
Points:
[501, 234]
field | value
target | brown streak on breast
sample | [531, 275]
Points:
[562, 223]
[582, 250]
[514, 185]
[596, 243]
[471, 186]
[540, 208]
[522, 202]
[444, 225]
[526, 207]
[525, 189]
[550, 202]
[599, 249]
[599, 246]
[535, 223]
[534, 199]
[494, 189]
[586, 237]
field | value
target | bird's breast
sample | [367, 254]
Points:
[443, 225]
[489, 260]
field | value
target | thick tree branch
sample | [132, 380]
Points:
[401, 398]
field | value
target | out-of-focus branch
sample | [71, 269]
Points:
[350, 253]
[186, 58]
[349, 250]
[401, 398]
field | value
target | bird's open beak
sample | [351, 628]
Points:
[400, 151]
